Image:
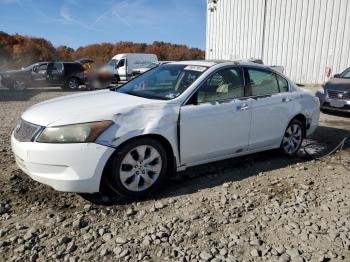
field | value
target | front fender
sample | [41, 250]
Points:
[142, 121]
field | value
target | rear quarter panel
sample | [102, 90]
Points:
[307, 104]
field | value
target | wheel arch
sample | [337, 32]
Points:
[159, 138]
[303, 119]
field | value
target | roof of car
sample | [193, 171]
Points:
[43, 62]
[210, 63]
[206, 63]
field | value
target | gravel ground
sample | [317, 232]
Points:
[259, 207]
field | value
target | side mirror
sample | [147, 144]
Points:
[337, 76]
[35, 69]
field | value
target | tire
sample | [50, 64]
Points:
[16, 85]
[72, 83]
[128, 177]
[293, 138]
[115, 79]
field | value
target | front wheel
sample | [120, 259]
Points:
[293, 138]
[138, 168]
[115, 79]
[18, 85]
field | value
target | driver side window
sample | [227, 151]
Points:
[346, 74]
[121, 63]
[41, 69]
[224, 85]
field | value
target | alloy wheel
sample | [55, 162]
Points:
[73, 84]
[292, 139]
[18, 85]
[140, 168]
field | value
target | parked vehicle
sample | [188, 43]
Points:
[128, 139]
[122, 65]
[335, 94]
[67, 75]
[139, 71]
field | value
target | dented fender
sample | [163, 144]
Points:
[151, 119]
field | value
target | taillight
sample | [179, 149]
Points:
[86, 74]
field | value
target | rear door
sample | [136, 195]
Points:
[272, 107]
[56, 74]
[215, 122]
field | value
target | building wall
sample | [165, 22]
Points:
[304, 36]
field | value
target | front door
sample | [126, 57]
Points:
[122, 69]
[272, 107]
[215, 122]
[39, 74]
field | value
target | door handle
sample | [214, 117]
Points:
[286, 99]
[242, 107]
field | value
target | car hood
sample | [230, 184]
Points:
[13, 72]
[338, 84]
[86, 107]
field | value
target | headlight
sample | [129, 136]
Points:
[320, 90]
[77, 133]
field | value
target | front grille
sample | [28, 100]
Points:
[341, 95]
[25, 131]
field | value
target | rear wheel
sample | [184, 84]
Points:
[115, 79]
[72, 84]
[293, 138]
[138, 168]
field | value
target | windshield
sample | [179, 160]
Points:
[112, 62]
[152, 65]
[29, 66]
[164, 82]
[345, 74]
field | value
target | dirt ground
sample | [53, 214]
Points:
[263, 207]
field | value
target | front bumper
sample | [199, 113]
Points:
[325, 102]
[64, 167]
[327, 106]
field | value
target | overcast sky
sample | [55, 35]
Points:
[81, 22]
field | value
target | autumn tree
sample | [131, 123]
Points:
[65, 53]
[17, 51]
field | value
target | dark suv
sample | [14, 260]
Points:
[67, 75]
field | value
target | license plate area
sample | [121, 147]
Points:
[337, 103]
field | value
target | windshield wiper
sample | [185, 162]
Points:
[132, 94]
[147, 96]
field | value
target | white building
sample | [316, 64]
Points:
[304, 36]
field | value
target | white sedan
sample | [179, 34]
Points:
[126, 140]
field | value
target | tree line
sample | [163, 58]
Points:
[17, 51]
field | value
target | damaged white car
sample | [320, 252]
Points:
[181, 114]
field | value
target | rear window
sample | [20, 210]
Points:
[263, 82]
[283, 84]
[57, 67]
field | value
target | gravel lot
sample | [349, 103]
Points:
[260, 207]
